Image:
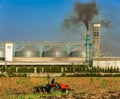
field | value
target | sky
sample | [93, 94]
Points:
[41, 20]
[32, 20]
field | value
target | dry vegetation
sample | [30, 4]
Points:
[24, 85]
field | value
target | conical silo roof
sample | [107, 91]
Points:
[27, 48]
[27, 51]
[55, 48]
[55, 51]
[77, 52]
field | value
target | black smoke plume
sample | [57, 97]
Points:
[83, 12]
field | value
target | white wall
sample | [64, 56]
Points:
[111, 63]
[107, 62]
[8, 51]
[118, 64]
[102, 63]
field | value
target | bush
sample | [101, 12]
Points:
[22, 75]
[25, 69]
[116, 75]
[56, 69]
[18, 75]
[108, 75]
[86, 75]
[47, 69]
[22, 69]
[2, 68]
[39, 69]
[82, 68]
[69, 69]
[12, 69]
[52, 69]
[93, 75]
[30, 70]
[2, 75]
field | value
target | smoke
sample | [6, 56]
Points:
[86, 12]
[83, 13]
[105, 13]
[106, 23]
[110, 26]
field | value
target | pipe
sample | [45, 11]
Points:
[88, 48]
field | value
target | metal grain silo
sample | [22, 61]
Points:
[27, 51]
[55, 51]
[2, 52]
[77, 53]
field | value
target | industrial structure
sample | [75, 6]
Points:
[42, 53]
[96, 40]
[57, 53]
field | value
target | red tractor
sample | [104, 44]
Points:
[50, 88]
[59, 87]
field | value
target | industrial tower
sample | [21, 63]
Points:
[88, 49]
[96, 40]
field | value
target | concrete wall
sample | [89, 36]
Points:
[106, 61]
[47, 59]
[44, 61]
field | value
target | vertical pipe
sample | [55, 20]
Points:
[88, 48]
[41, 50]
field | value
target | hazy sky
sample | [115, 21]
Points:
[41, 20]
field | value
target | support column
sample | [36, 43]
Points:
[41, 50]
[62, 69]
[17, 69]
[42, 69]
[65, 68]
[35, 69]
[68, 49]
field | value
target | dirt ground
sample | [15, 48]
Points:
[83, 86]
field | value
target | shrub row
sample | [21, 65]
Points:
[58, 69]
[25, 69]
[92, 75]
[52, 69]
[18, 75]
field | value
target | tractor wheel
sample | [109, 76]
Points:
[53, 89]
[65, 91]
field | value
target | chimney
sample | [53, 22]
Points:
[96, 40]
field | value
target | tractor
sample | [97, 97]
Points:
[52, 87]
